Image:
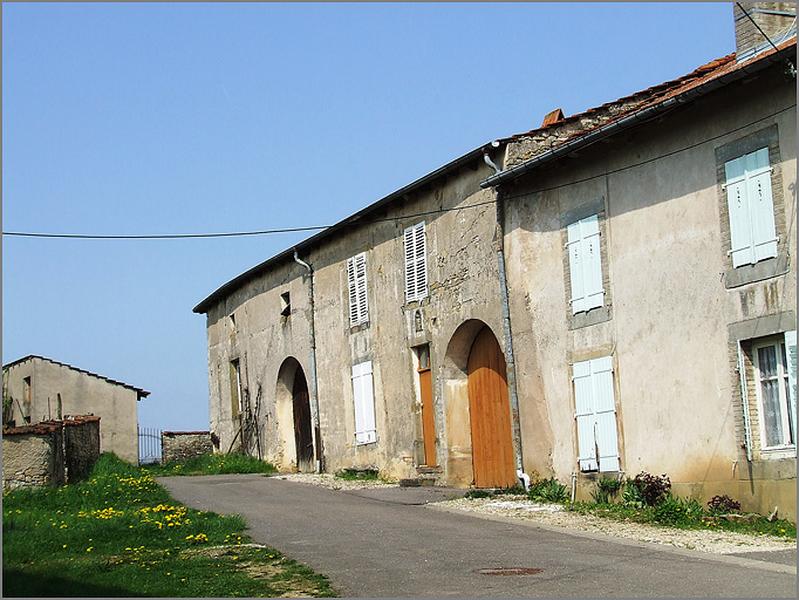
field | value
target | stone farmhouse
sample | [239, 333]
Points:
[608, 293]
[38, 389]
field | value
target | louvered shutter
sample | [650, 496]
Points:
[592, 263]
[415, 247]
[750, 205]
[575, 249]
[356, 281]
[363, 394]
[605, 410]
[584, 414]
[790, 351]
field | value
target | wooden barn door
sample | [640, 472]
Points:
[489, 413]
[302, 423]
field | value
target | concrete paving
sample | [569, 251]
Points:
[384, 543]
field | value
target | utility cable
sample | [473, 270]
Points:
[173, 236]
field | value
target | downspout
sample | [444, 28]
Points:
[507, 332]
[317, 428]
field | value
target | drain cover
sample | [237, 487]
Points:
[510, 571]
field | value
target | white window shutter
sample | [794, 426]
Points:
[790, 351]
[421, 261]
[410, 264]
[605, 409]
[363, 393]
[584, 414]
[753, 235]
[356, 280]
[353, 294]
[575, 249]
[745, 402]
[415, 247]
[592, 263]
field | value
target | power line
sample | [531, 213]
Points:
[172, 236]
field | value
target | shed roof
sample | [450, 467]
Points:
[141, 392]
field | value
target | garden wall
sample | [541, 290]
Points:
[182, 445]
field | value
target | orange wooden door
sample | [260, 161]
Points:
[428, 417]
[489, 413]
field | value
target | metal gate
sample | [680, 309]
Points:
[149, 445]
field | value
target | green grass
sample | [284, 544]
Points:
[690, 515]
[212, 464]
[120, 534]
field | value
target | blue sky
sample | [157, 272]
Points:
[153, 118]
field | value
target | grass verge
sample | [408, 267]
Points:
[120, 534]
[358, 475]
[212, 464]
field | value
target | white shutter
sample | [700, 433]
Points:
[790, 351]
[585, 264]
[753, 235]
[605, 409]
[592, 263]
[761, 204]
[410, 265]
[363, 394]
[575, 249]
[421, 261]
[415, 247]
[744, 403]
[356, 281]
[584, 414]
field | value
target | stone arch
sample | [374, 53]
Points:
[293, 416]
[457, 406]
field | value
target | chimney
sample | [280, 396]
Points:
[776, 19]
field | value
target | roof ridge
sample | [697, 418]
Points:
[142, 392]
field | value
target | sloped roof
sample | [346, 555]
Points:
[141, 392]
[566, 135]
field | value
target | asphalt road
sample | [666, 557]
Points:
[379, 543]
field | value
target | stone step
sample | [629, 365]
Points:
[417, 482]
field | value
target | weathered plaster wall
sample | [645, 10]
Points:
[463, 285]
[80, 394]
[182, 445]
[676, 391]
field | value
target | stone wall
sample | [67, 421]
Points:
[51, 452]
[182, 445]
[33, 456]
[81, 446]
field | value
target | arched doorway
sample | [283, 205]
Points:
[293, 416]
[489, 414]
[303, 439]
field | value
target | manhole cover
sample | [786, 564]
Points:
[510, 571]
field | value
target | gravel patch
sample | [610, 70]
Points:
[332, 482]
[716, 542]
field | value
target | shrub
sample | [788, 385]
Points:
[358, 474]
[651, 489]
[479, 494]
[548, 490]
[606, 490]
[676, 511]
[718, 505]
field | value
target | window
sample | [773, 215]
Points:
[776, 391]
[235, 389]
[363, 395]
[595, 413]
[750, 204]
[415, 263]
[356, 280]
[585, 264]
[285, 304]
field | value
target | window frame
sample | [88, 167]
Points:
[784, 397]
